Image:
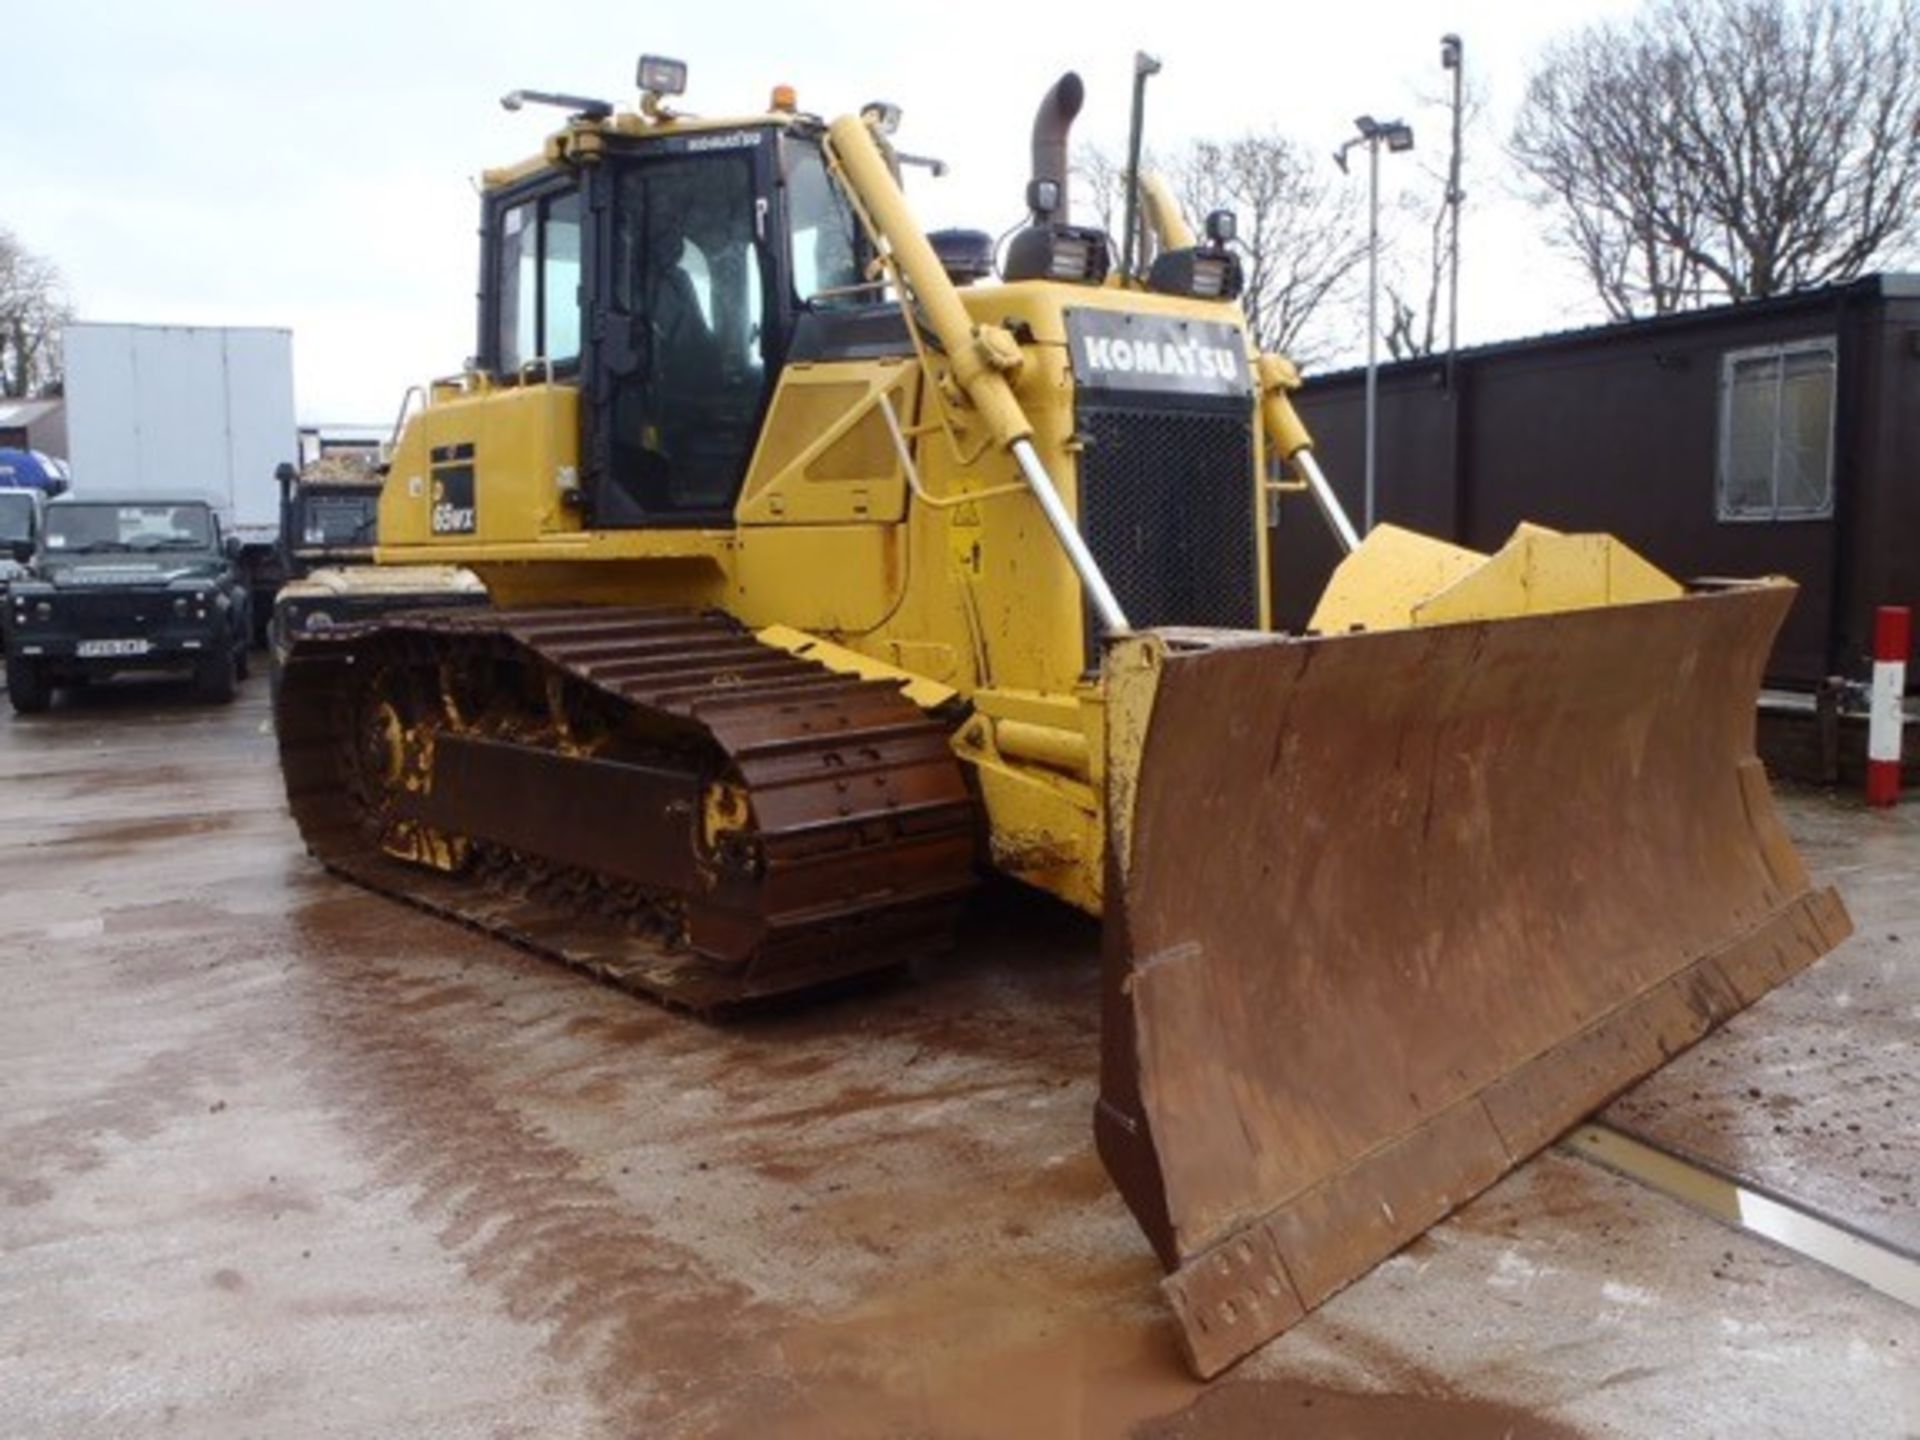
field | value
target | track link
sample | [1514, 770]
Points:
[652, 796]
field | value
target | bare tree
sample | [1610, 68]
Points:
[1413, 313]
[1299, 232]
[1300, 240]
[33, 307]
[1728, 148]
[1102, 182]
[1419, 247]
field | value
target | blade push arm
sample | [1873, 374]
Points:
[1287, 437]
[983, 357]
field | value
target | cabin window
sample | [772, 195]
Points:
[560, 278]
[518, 257]
[1776, 432]
[825, 236]
[538, 255]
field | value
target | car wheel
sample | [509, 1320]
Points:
[27, 686]
[216, 677]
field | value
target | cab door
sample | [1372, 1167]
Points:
[684, 341]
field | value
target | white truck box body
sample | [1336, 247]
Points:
[183, 410]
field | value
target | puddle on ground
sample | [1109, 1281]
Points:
[1295, 1410]
[1873, 1265]
[77, 929]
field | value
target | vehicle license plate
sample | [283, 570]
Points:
[91, 649]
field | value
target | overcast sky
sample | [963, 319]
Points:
[313, 165]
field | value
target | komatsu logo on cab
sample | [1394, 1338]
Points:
[1156, 354]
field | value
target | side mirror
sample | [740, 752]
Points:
[232, 547]
[22, 550]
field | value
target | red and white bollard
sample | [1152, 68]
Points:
[1891, 637]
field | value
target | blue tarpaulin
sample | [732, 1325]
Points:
[29, 470]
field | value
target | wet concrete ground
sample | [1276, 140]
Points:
[278, 1158]
[1821, 1103]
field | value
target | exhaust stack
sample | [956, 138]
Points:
[1051, 122]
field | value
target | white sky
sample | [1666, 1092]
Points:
[313, 165]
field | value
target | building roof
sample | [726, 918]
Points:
[166, 325]
[1898, 286]
[28, 412]
[149, 499]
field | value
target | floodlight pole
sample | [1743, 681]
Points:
[1396, 135]
[1373, 322]
[1453, 57]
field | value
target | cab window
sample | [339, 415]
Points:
[537, 279]
[825, 236]
[687, 275]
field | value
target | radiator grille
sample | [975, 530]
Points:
[1167, 507]
[93, 615]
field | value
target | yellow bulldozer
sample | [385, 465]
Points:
[835, 563]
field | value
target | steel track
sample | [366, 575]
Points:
[562, 771]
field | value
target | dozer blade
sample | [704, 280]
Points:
[1389, 911]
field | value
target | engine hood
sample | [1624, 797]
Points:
[100, 570]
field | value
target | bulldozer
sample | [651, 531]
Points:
[835, 563]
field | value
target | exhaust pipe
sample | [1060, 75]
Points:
[1050, 126]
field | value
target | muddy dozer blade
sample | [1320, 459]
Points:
[1388, 912]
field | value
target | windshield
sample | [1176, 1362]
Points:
[826, 259]
[16, 518]
[339, 519]
[88, 529]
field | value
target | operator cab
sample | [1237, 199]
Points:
[665, 279]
